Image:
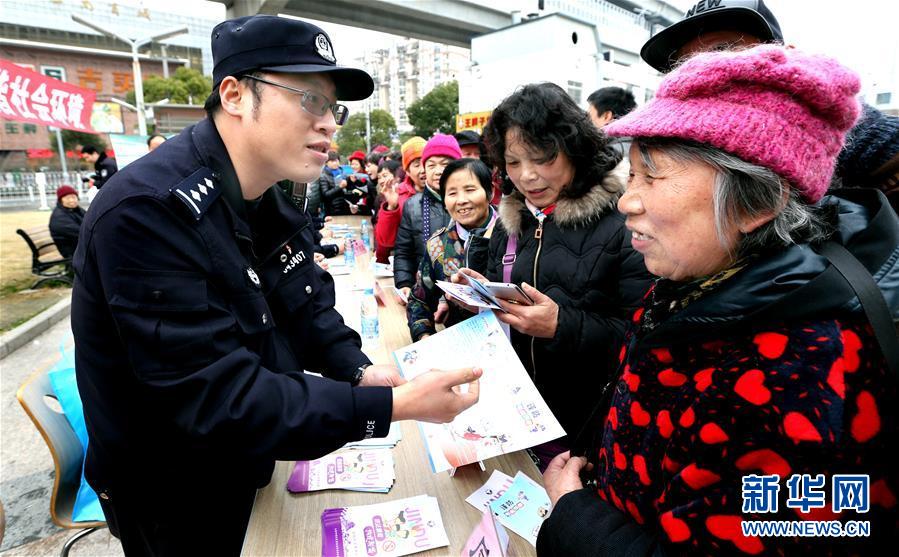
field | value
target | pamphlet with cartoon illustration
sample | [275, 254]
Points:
[523, 508]
[510, 414]
[493, 489]
[400, 527]
[359, 470]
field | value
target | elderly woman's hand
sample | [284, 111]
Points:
[462, 278]
[539, 320]
[563, 475]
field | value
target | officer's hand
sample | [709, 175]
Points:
[381, 376]
[319, 257]
[436, 396]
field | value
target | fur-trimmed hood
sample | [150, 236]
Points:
[571, 212]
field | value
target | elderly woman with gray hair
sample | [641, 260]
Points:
[760, 374]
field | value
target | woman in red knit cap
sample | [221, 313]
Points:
[752, 386]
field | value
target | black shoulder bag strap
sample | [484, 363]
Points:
[871, 298]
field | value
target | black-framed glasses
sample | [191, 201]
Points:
[312, 102]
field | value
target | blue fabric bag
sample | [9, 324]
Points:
[62, 378]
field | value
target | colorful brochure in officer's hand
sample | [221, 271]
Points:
[523, 507]
[510, 414]
[400, 527]
[363, 470]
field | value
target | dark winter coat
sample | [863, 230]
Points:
[585, 263]
[410, 239]
[773, 371]
[104, 168]
[65, 224]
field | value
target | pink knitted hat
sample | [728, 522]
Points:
[441, 144]
[769, 105]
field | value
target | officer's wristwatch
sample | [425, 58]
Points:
[357, 375]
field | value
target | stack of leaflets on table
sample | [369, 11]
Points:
[360, 470]
[523, 507]
[510, 414]
[394, 436]
[400, 527]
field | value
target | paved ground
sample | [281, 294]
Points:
[19, 307]
[26, 468]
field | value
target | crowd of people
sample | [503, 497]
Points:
[714, 279]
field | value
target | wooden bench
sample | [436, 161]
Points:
[46, 261]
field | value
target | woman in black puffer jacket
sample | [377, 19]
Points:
[561, 236]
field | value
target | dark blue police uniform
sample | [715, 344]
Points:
[104, 169]
[194, 314]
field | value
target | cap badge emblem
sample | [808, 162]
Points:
[323, 46]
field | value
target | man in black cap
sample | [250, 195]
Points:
[470, 144]
[712, 25]
[197, 306]
[871, 155]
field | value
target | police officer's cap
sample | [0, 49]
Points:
[278, 44]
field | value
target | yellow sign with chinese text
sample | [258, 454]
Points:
[474, 121]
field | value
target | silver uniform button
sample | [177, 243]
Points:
[264, 319]
[253, 276]
[308, 289]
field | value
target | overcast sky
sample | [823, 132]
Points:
[861, 34]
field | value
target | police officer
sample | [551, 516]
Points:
[104, 165]
[197, 305]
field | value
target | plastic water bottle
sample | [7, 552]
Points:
[366, 235]
[369, 313]
[349, 252]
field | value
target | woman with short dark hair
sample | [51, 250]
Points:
[561, 238]
[466, 188]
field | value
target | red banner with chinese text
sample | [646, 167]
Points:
[27, 96]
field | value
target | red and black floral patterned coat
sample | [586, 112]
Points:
[743, 381]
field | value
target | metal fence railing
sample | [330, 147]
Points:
[36, 190]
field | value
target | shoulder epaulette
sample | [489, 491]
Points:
[198, 191]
